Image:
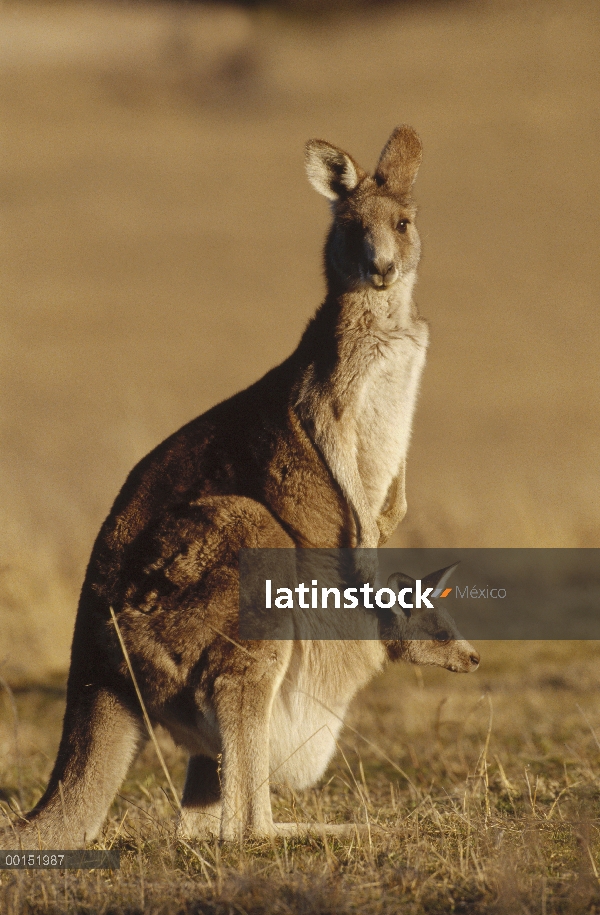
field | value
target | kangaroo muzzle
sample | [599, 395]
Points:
[380, 255]
[382, 277]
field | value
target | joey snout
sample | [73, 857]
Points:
[464, 659]
[456, 655]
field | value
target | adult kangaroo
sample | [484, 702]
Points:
[312, 455]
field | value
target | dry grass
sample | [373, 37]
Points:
[490, 802]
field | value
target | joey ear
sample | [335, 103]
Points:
[438, 579]
[331, 171]
[399, 162]
[397, 581]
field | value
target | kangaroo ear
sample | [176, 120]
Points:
[438, 579]
[331, 171]
[399, 162]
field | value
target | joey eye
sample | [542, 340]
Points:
[442, 636]
[402, 225]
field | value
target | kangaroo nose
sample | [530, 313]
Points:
[474, 658]
[381, 270]
[382, 274]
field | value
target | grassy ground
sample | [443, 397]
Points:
[482, 794]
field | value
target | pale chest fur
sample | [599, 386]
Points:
[385, 406]
[310, 706]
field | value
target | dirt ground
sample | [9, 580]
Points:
[162, 248]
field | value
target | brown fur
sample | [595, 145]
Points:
[312, 455]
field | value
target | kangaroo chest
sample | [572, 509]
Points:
[384, 410]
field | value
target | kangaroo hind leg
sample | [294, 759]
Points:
[244, 693]
[201, 802]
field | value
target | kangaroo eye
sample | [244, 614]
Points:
[442, 636]
[401, 227]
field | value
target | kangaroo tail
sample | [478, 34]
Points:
[100, 737]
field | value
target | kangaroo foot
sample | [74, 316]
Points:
[316, 830]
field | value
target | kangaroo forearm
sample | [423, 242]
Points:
[339, 450]
[395, 508]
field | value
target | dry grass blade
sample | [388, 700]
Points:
[147, 721]
[203, 863]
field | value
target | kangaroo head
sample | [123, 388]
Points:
[427, 636]
[373, 241]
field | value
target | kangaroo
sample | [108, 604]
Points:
[311, 455]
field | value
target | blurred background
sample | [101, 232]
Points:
[161, 249]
